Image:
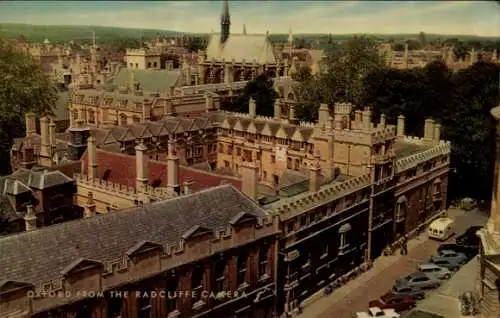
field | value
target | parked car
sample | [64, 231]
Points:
[377, 312]
[449, 264]
[469, 237]
[420, 280]
[459, 258]
[414, 292]
[434, 270]
[469, 251]
[393, 301]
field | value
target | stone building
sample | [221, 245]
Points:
[237, 57]
[489, 284]
[325, 179]
[36, 197]
[208, 254]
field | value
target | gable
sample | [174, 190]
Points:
[226, 124]
[267, 130]
[9, 286]
[281, 133]
[251, 128]
[242, 217]
[109, 138]
[143, 247]
[81, 265]
[196, 231]
[238, 126]
[297, 136]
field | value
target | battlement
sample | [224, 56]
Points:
[142, 52]
[123, 269]
[326, 194]
[123, 190]
[443, 148]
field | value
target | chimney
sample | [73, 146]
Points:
[187, 186]
[252, 108]
[382, 120]
[30, 124]
[329, 123]
[401, 126]
[30, 218]
[249, 179]
[28, 155]
[358, 119]
[92, 157]
[52, 135]
[429, 130]
[323, 114]
[291, 113]
[437, 133]
[141, 166]
[277, 109]
[367, 118]
[315, 173]
[172, 167]
[90, 206]
[209, 102]
[45, 138]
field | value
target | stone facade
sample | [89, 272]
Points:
[489, 284]
[187, 265]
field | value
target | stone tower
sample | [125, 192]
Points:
[225, 22]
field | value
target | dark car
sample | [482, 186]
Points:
[414, 292]
[469, 237]
[469, 251]
[393, 301]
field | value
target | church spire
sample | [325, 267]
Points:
[225, 22]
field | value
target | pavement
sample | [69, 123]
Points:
[353, 297]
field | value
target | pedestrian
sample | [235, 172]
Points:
[404, 245]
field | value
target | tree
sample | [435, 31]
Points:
[422, 39]
[195, 44]
[302, 74]
[261, 89]
[25, 88]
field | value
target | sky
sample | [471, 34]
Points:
[336, 17]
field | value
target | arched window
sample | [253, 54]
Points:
[401, 209]
[123, 119]
[75, 114]
[91, 117]
[344, 242]
[155, 64]
[149, 64]
[437, 187]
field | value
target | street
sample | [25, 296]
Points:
[354, 296]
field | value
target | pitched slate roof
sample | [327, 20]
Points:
[241, 47]
[149, 80]
[40, 178]
[41, 255]
[120, 168]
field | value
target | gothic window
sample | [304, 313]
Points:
[143, 305]
[75, 114]
[264, 261]
[242, 269]
[197, 281]
[91, 117]
[229, 150]
[155, 64]
[289, 163]
[114, 307]
[238, 151]
[343, 232]
[123, 119]
[297, 164]
[401, 209]
[136, 65]
[220, 273]
[221, 148]
[437, 187]
[149, 64]
[171, 297]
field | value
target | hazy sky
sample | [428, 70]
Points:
[336, 17]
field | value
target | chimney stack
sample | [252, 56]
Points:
[172, 167]
[90, 206]
[437, 133]
[52, 135]
[382, 120]
[358, 119]
[291, 114]
[45, 138]
[249, 179]
[401, 126]
[315, 173]
[30, 119]
[92, 157]
[141, 166]
[30, 218]
[187, 186]
[277, 109]
[252, 108]
[323, 114]
[429, 130]
[367, 118]
[28, 155]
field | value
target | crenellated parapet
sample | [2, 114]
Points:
[304, 201]
[412, 161]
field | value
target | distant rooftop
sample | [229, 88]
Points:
[405, 148]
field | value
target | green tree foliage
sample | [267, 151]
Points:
[261, 89]
[413, 45]
[302, 74]
[24, 88]
[195, 44]
[422, 39]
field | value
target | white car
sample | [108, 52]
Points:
[377, 312]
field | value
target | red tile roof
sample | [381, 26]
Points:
[120, 168]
